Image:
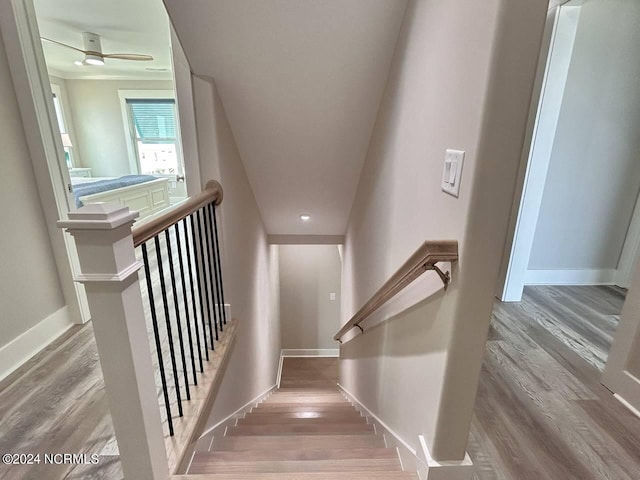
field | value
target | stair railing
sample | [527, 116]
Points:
[180, 304]
[423, 259]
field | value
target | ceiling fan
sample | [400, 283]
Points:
[93, 51]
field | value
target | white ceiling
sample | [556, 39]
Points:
[301, 82]
[125, 26]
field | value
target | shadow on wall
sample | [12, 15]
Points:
[409, 333]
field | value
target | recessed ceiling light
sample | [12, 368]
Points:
[305, 217]
[78, 63]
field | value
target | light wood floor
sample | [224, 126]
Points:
[306, 429]
[541, 412]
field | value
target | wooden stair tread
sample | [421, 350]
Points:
[298, 398]
[302, 454]
[305, 430]
[298, 442]
[279, 429]
[205, 463]
[364, 475]
[295, 407]
[292, 420]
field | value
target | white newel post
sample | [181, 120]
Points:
[110, 274]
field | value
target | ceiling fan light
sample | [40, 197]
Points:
[93, 59]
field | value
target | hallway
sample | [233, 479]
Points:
[541, 413]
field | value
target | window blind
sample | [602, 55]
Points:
[154, 119]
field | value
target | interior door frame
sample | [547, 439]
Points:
[528, 196]
[528, 193]
[630, 256]
[20, 33]
[621, 372]
[33, 90]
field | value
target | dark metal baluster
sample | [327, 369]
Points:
[168, 321]
[212, 270]
[193, 296]
[215, 269]
[186, 303]
[204, 275]
[219, 263]
[156, 334]
[199, 280]
[176, 306]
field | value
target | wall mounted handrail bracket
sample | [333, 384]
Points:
[444, 276]
[423, 259]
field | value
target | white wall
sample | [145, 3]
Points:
[97, 117]
[308, 275]
[461, 78]
[249, 263]
[30, 290]
[593, 178]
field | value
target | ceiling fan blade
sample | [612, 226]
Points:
[129, 56]
[63, 45]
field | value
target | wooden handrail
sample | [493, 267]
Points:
[147, 230]
[423, 259]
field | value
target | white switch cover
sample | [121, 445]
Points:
[332, 296]
[452, 173]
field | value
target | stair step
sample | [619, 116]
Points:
[324, 429]
[304, 412]
[310, 390]
[281, 419]
[295, 397]
[304, 454]
[205, 463]
[364, 475]
[297, 442]
[306, 384]
[301, 407]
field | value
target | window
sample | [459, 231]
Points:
[66, 140]
[152, 124]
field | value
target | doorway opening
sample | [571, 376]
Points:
[116, 112]
[576, 222]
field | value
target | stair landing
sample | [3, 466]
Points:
[304, 430]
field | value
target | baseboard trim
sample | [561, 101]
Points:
[412, 460]
[310, 352]
[630, 407]
[450, 470]
[239, 412]
[304, 352]
[408, 455]
[22, 348]
[571, 277]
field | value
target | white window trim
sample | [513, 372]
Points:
[131, 149]
[57, 91]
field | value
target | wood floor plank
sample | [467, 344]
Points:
[541, 412]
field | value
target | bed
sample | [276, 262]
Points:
[143, 193]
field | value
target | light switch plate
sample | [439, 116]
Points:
[452, 172]
[332, 296]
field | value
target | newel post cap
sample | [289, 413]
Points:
[98, 216]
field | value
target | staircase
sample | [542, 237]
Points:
[305, 430]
